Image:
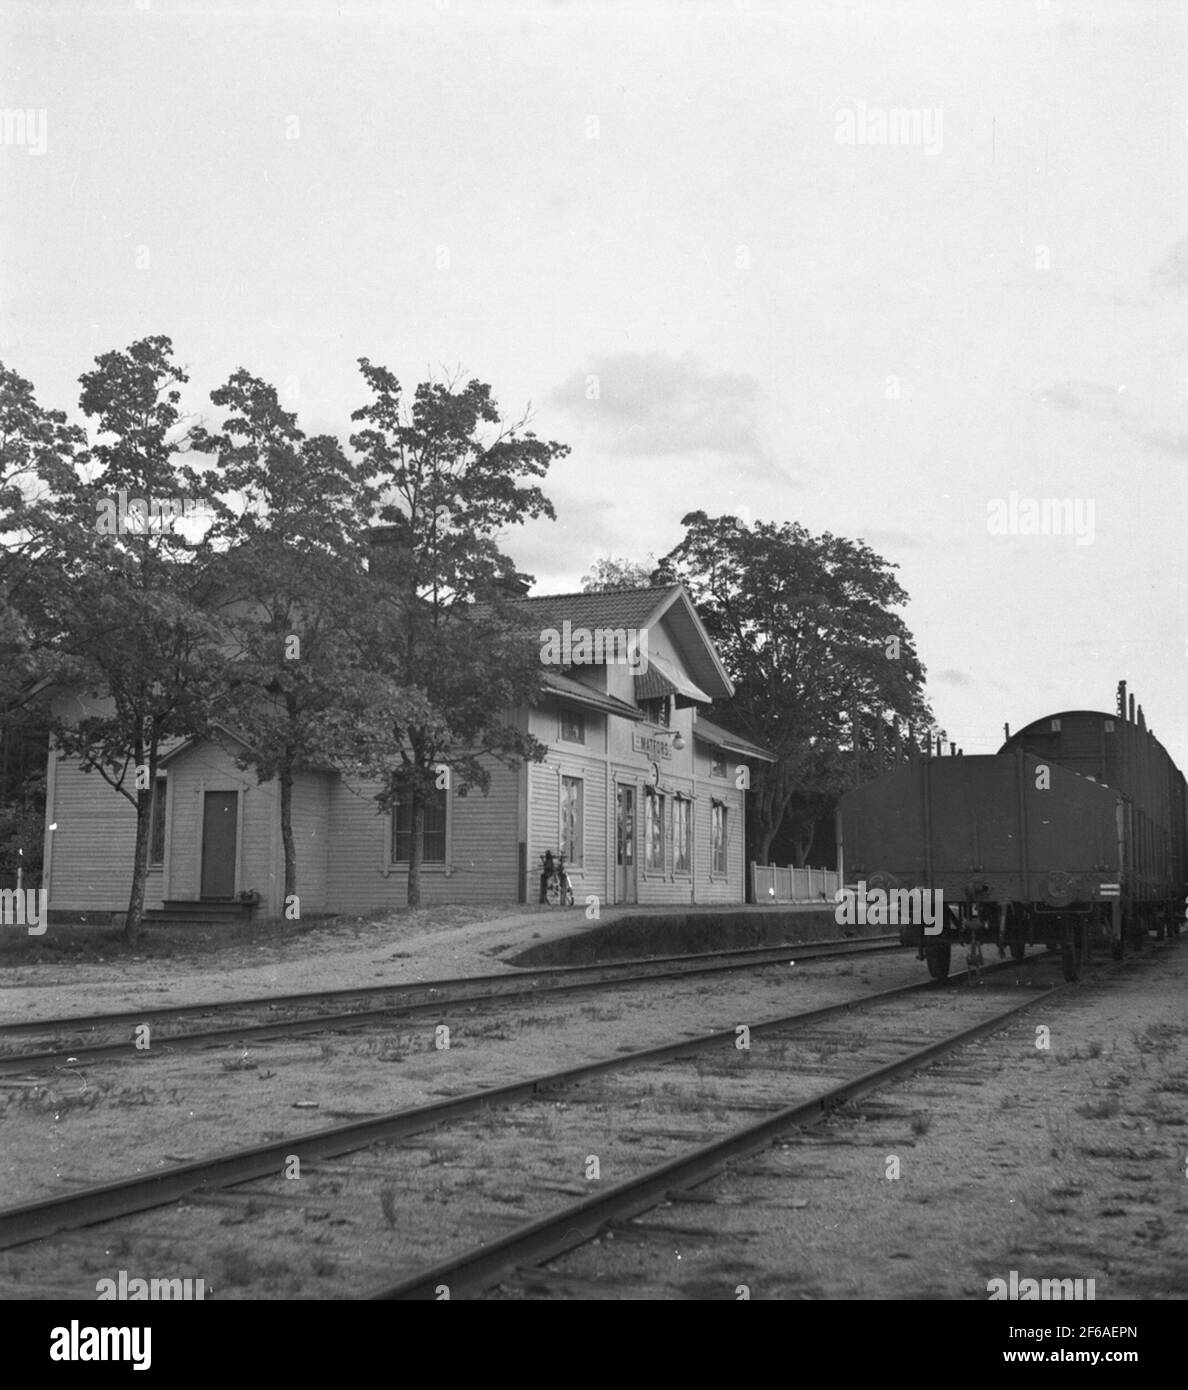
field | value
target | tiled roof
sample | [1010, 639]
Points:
[632, 609]
[605, 608]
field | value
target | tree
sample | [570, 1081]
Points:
[284, 552]
[451, 476]
[123, 606]
[820, 662]
[38, 454]
[612, 573]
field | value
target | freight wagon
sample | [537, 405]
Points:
[1075, 830]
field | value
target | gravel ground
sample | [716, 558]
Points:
[1059, 1163]
[1065, 1163]
[436, 943]
[430, 944]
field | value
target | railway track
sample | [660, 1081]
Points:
[340, 1205]
[537, 1242]
[404, 1001]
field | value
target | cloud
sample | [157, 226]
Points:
[899, 540]
[658, 405]
[1170, 276]
[1096, 397]
[1113, 404]
[951, 677]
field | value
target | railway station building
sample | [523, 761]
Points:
[642, 792]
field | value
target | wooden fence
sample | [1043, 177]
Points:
[771, 884]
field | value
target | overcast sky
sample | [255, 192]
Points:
[869, 267]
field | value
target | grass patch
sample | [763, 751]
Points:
[387, 1201]
[1104, 1109]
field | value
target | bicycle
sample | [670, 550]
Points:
[558, 891]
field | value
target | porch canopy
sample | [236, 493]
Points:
[663, 678]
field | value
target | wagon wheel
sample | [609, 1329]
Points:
[937, 954]
[1018, 948]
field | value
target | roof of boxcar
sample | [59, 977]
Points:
[1094, 713]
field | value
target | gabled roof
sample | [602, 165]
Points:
[603, 608]
[640, 608]
[181, 745]
[718, 737]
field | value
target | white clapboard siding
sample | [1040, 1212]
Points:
[93, 844]
[483, 849]
[311, 842]
[207, 767]
[544, 780]
[716, 890]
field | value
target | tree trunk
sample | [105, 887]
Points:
[763, 839]
[290, 848]
[144, 816]
[416, 849]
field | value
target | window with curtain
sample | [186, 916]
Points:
[572, 795]
[654, 831]
[682, 838]
[718, 839]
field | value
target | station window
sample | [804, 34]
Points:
[572, 812]
[573, 726]
[718, 839]
[433, 849]
[682, 839]
[656, 711]
[654, 831]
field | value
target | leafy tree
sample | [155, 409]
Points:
[38, 453]
[820, 662]
[450, 476]
[122, 604]
[22, 828]
[612, 573]
[287, 512]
